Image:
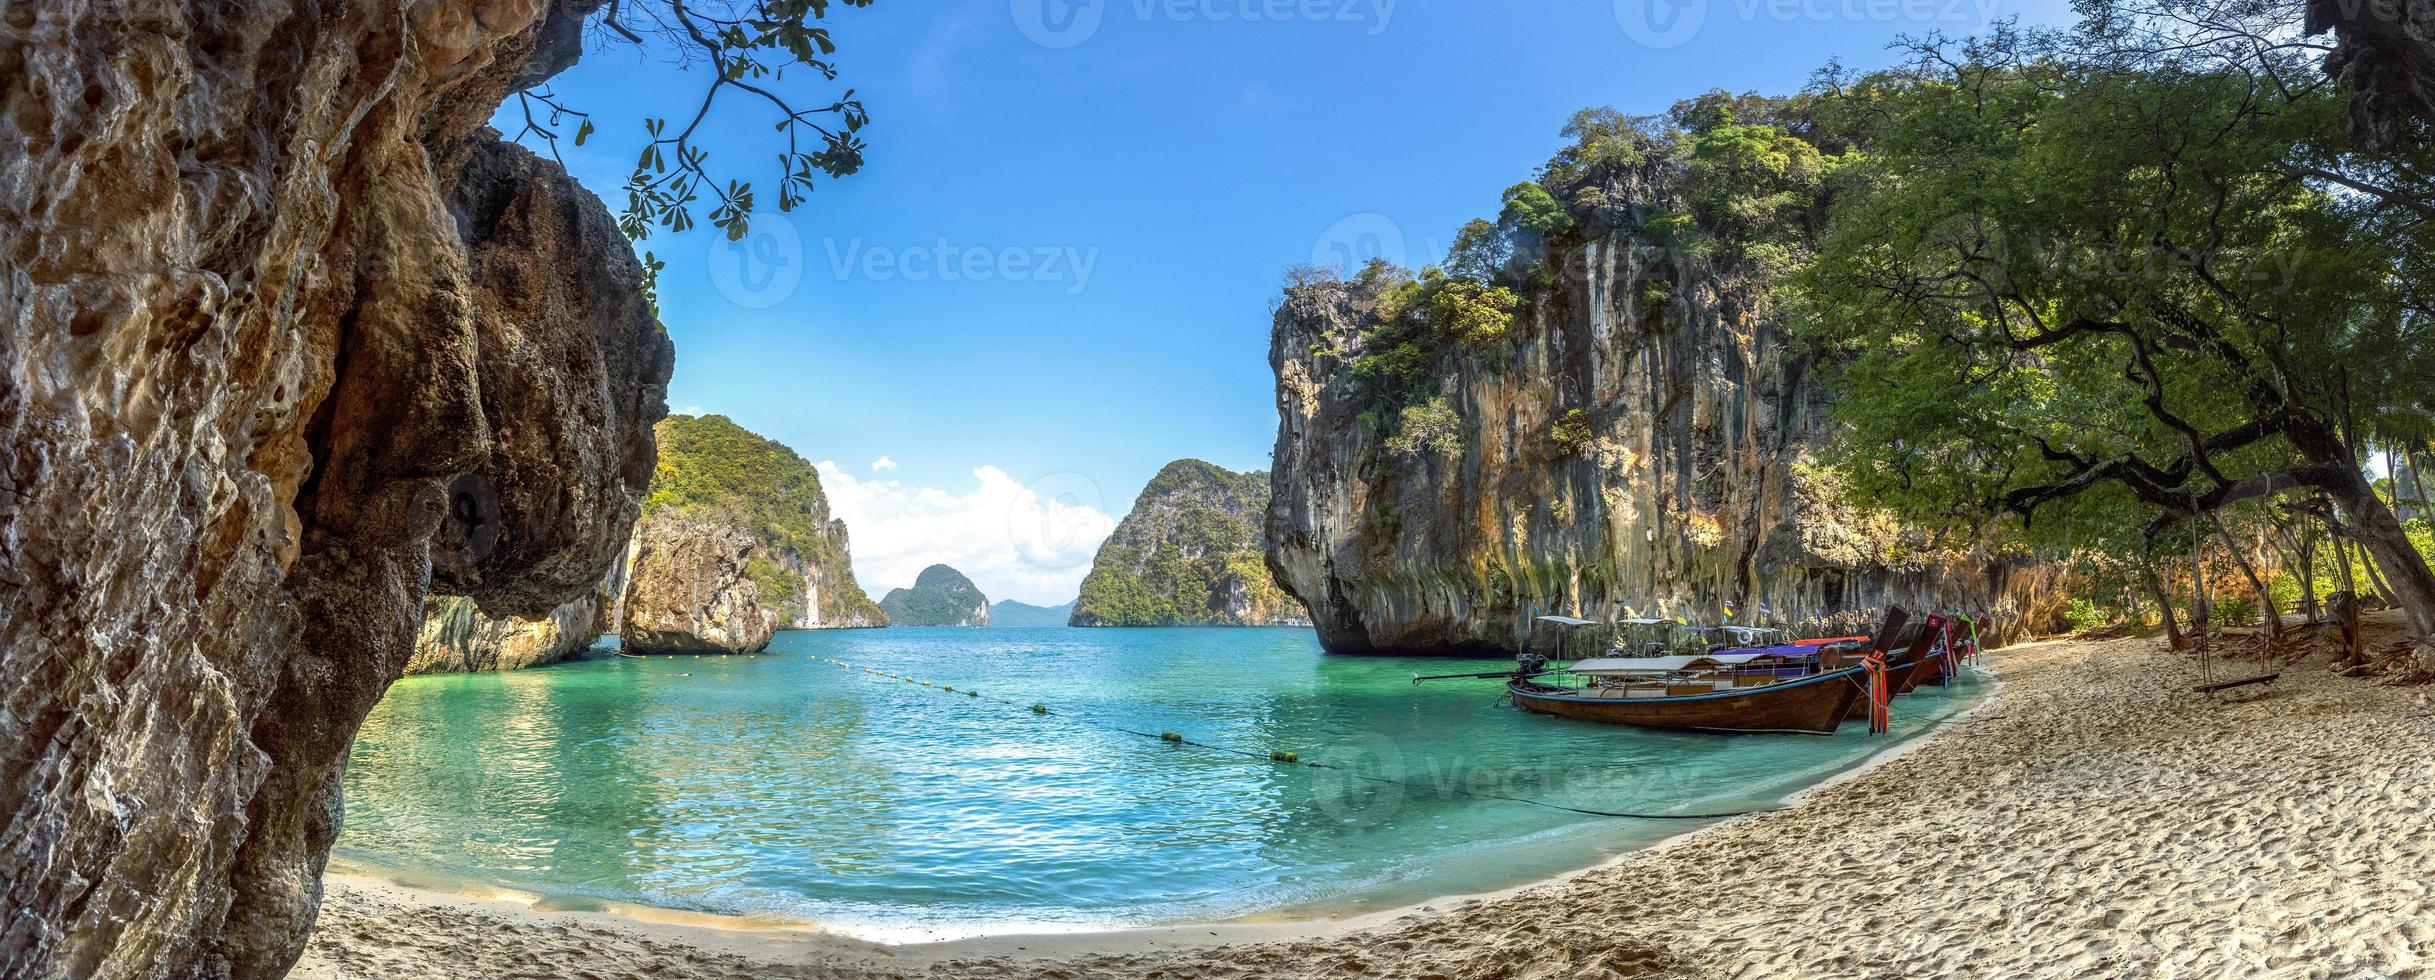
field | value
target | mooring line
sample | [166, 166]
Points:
[1279, 757]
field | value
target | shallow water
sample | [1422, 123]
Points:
[784, 787]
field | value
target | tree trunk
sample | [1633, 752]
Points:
[2305, 545]
[2379, 533]
[2418, 487]
[2164, 603]
[2265, 598]
[2375, 577]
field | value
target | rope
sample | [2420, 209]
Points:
[1881, 695]
[1948, 660]
[1287, 758]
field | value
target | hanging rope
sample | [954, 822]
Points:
[1291, 759]
[1948, 660]
[1880, 693]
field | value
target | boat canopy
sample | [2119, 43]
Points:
[1641, 666]
[1564, 621]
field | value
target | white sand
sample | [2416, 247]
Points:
[2092, 818]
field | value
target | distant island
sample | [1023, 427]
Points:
[736, 542]
[1011, 613]
[940, 596]
[1191, 553]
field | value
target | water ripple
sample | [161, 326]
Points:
[782, 786]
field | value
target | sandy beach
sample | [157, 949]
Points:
[2091, 817]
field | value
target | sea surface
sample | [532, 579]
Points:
[785, 787]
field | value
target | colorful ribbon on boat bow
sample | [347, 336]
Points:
[1948, 657]
[1881, 694]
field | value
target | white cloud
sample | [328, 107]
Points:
[1032, 542]
[883, 464]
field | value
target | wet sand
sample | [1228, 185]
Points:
[2091, 817]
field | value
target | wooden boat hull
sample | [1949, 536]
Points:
[1895, 674]
[1903, 673]
[1812, 705]
[1921, 668]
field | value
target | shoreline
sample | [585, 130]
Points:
[2088, 816]
[791, 939]
[1269, 925]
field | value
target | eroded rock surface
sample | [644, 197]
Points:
[456, 638]
[2384, 53]
[287, 338]
[768, 555]
[1638, 444]
[692, 590]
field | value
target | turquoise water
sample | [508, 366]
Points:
[782, 787]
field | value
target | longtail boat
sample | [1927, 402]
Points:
[1923, 656]
[1622, 693]
[1960, 645]
[1785, 688]
[1902, 667]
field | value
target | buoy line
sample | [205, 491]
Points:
[1281, 757]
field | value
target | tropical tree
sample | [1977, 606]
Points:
[2378, 52]
[2046, 277]
[761, 51]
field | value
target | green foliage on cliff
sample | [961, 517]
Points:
[1419, 320]
[1722, 178]
[709, 464]
[1190, 552]
[940, 596]
[1571, 433]
[1429, 428]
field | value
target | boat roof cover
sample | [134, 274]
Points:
[1667, 665]
[1564, 620]
[1740, 657]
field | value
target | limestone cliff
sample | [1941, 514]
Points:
[765, 552]
[290, 339]
[940, 596]
[693, 591]
[457, 638]
[1189, 554]
[1635, 438]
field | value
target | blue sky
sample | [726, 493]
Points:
[1126, 181]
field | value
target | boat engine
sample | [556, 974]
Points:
[1529, 663]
